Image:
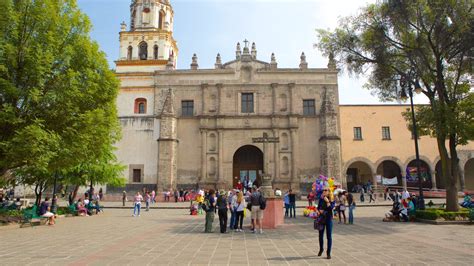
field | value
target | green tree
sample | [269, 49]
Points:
[428, 43]
[57, 93]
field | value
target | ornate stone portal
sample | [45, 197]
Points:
[196, 120]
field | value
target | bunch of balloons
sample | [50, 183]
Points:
[323, 182]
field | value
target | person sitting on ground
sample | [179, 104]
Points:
[81, 210]
[467, 202]
[404, 211]
[394, 213]
[18, 204]
[45, 211]
[411, 209]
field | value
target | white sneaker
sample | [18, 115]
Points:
[261, 231]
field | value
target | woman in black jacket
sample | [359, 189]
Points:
[325, 207]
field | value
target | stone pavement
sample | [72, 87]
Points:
[162, 237]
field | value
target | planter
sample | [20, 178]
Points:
[441, 222]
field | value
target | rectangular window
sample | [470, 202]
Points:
[247, 102]
[187, 108]
[357, 133]
[137, 175]
[308, 107]
[386, 133]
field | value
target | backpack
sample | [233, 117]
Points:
[206, 205]
[263, 202]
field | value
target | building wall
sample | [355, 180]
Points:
[372, 149]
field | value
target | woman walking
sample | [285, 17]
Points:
[137, 204]
[239, 207]
[341, 205]
[352, 205]
[325, 207]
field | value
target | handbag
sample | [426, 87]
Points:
[342, 207]
[319, 222]
[249, 206]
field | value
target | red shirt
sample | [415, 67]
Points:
[238, 186]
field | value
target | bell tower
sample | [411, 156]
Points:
[148, 44]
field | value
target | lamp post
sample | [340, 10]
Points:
[405, 85]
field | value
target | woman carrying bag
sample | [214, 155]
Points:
[325, 208]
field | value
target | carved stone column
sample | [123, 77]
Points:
[168, 146]
[294, 157]
[220, 173]
[203, 155]
[274, 97]
[291, 87]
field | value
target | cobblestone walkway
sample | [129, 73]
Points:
[162, 237]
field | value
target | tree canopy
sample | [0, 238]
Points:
[428, 44]
[57, 93]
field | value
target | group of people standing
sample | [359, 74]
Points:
[237, 203]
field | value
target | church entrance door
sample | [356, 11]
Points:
[247, 164]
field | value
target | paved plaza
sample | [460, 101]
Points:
[162, 237]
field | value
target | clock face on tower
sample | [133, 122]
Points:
[146, 10]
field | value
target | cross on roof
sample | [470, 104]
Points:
[246, 43]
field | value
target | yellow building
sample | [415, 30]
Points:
[376, 143]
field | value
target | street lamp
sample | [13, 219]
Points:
[406, 86]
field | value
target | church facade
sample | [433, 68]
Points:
[189, 128]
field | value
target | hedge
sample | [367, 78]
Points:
[434, 214]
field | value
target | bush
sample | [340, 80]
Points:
[434, 214]
[427, 215]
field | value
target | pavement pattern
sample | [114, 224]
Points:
[172, 237]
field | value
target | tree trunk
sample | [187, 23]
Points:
[38, 194]
[74, 193]
[446, 169]
[451, 189]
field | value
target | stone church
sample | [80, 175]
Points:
[189, 128]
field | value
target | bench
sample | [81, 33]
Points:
[31, 216]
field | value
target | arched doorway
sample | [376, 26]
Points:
[440, 180]
[247, 163]
[469, 175]
[358, 173]
[412, 176]
[390, 169]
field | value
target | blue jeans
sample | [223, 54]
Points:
[233, 217]
[137, 208]
[328, 229]
[292, 209]
[287, 206]
[351, 215]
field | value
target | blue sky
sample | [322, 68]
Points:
[208, 27]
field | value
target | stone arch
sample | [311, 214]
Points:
[361, 159]
[423, 158]
[155, 52]
[247, 163]
[129, 52]
[140, 106]
[358, 171]
[468, 170]
[427, 180]
[161, 19]
[390, 166]
[391, 158]
[143, 50]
